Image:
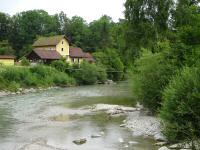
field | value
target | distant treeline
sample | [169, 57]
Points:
[18, 32]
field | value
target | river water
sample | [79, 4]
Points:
[52, 119]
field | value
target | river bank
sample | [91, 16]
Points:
[33, 90]
[25, 91]
[136, 120]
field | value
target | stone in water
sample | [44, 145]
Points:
[80, 141]
[96, 136]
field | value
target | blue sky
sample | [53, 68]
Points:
[88, 9]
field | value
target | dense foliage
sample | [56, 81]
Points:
[22, 29]
[13, 78]
[110, 60]
[87, 74]
[151, 76]
[181, 107]
[163, 37]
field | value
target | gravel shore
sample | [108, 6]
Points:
[136, 120]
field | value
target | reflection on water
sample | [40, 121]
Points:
[54, 118]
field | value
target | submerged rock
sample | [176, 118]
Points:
[126, 146]
[132, 142]
[96, 135]
[159, 137]
[80, 141]
[102, 133]
[121, 140]
[164, 148]
[161, 144]
[122, 125]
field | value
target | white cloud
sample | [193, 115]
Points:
[88, 9]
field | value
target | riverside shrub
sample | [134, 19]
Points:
[60, 65]
[111, 62]
[12, 78]
[181, 105]
[88, 74]
[152, 73]
[25, 62]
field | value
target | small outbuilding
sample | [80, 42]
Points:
[7, 60]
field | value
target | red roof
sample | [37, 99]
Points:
[7, 57]
[89, 57]
[76, 52]
[47, 54]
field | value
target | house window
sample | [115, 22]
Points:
[78, 60]
[62, 42]
[73, 60]
[62, 49]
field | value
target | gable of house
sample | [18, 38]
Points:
[58, 43]
[63, 47]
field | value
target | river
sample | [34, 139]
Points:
[54, 118]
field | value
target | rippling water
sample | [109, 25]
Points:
[54, 119]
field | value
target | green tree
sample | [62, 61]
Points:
[77, 31]
[112, 62]
[146, 23]
[26, 26]
[181, 106]
[100, 33]
[4, 26]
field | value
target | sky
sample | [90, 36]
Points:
[88, 9]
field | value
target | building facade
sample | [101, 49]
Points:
[7, 60]
[48, 49]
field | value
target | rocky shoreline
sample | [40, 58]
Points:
[139, 122]
[24, 91]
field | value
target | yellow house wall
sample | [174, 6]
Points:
[7, 62]
[65, 46]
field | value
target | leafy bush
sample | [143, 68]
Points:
[152, 74]
[25, 62]
[60, 65]
[101, 76]
[181, 106]
[88, 73]
[12, 78]
[112, 62]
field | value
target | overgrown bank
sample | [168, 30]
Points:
[14, 78]
[59, 73]
[166, 77]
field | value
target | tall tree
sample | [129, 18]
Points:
[26, 26]
[146, 21]
[4, 26]
[100, 33]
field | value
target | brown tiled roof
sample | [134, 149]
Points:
[49, 41]
[47, 54]
[89, 57]
[7, 57]
[76, 52]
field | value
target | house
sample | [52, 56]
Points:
[8, 60]
[48, 49]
